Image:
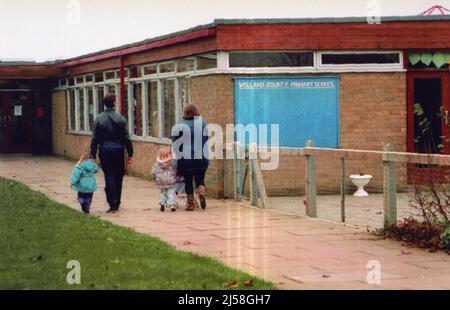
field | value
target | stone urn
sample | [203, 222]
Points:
[361, 180]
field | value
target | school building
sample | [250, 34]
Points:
[341, 82]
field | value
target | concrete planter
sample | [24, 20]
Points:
[360, 181]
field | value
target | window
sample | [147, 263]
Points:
[71, 109]
[81, 114]
[185, 91]
[150, 69]
[167, 67]
[152, 109]
[89, 78]
[127, 107]
[135, 72]
[98, 77]
[100, 95]
[360, 59]
[185, 64]
[137, 108]
[168, 103]
[110, 75]
[271, 59]
[206, 61]
[90, 103]
[79, 80]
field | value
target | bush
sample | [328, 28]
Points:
[445, 238]
[420, 234]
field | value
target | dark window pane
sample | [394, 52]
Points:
[269, 59]
[360, 59]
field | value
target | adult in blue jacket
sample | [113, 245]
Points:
[188, 140]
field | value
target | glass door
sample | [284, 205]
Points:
[3, 125]
[15, 136]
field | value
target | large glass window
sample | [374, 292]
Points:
[152, 109]
[271, 59]
[168, 100]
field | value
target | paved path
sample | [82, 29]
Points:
[293, 252]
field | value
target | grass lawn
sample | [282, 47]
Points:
[39, 236]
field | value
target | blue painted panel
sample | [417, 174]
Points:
[305, 108]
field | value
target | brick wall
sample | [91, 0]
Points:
[214, 96]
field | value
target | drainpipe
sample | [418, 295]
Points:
[122, 85]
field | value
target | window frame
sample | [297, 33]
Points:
[359, 67]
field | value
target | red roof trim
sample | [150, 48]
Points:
[184, 38]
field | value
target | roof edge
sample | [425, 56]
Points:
[328, 20]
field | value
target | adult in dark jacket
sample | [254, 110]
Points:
[192, 161]
[110, 137]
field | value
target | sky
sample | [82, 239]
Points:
[57, 29]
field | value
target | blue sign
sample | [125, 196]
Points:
[305, 108]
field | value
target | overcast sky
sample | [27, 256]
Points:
[53, 29]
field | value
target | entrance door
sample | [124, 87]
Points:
[428, 122]
[15, 122]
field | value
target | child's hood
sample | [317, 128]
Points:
[89, 166]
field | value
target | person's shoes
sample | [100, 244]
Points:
[113, 209]
[163, 207]
[190, 203]
[201, 195]
[173, 208]
[202, 201]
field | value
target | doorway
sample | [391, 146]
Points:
[15, 122]
[428, 122]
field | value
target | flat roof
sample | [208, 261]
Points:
[338, 20]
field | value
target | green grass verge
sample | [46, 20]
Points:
[39, 236]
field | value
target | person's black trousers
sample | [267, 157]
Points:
[113, 166]
[193, 170]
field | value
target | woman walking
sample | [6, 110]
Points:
[192, 162]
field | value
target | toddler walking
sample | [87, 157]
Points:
[165, 171]
[83, 181]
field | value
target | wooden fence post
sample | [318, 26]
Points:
[389, 189]
[311, 188]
